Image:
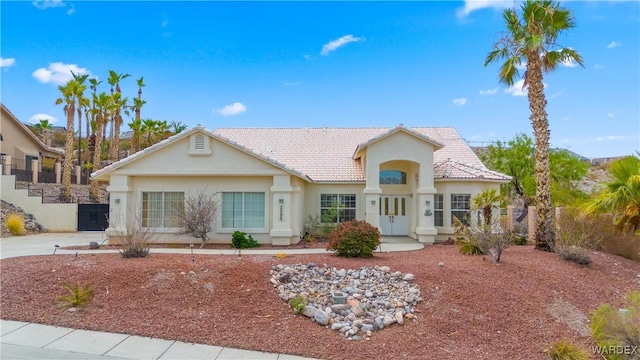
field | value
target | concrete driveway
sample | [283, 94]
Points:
[44, 243]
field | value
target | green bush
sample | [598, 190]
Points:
[612, 327]
[239, 240]
[519, 240]
[564, 350]
[297, 304]
[468, 247]
[78, 296]
[15, 224]
[354, 238]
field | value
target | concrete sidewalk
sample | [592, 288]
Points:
[20, 340]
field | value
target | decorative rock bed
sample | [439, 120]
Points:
[375, 297]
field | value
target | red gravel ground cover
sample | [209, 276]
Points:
[472, 309]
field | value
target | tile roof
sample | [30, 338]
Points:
[326, 154]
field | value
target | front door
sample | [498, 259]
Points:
[393, 215]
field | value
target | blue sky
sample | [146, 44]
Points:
[336, 64]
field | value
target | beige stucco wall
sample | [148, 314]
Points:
[17, 143]
[458, 187]
[53, 217]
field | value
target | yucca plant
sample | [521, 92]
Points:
[15, 223]
[78, 296]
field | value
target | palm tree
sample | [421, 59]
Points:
[486, 201]
[177, 127]
[71, 93]
[90, 116]
[137, 104]
[120, 105]
[533, 40]
[101, 107]
[621, 196]
[42, 126]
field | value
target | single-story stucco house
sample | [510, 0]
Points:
[269, 181]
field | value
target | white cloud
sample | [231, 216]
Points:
[7, 62]
[292, 83]
[609, 115]
[337, 43]
[71, 10]
[460, 102]
[516, 89]
[473, 5]
[613, 44]
[597, 66]
[568, 63]
[46, 4]
[58, 73]
[612, 137]
[489, 92]
[35, 119]
[231, 109]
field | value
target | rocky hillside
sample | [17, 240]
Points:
[30, 223]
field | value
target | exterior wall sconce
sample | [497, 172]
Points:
[428, 211]
[281, 201]
[373, 202]
[117, 201]
[427, 202]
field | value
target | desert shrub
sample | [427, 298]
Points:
[575, 228]
[355, 238]
[490, 238]
[240, 240]
[564, 350]
[467, 247]
[281, 255]
[77, 296]
[619, 329]
[576, 254]
[297, 304]
[15, 223]
[133, 245]
[519, 240]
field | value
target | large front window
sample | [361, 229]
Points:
[336, 208]
[243, 210]
[161, 209]
[394, 177]
[460, 207]
[438, 210]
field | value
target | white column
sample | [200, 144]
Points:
[425, 228]
[122, 210]
[34, 171]
[78, 174]
[281, 191]
[7, 165]
[58, 170]
[372, 193]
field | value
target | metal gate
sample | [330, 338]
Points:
[93, 217]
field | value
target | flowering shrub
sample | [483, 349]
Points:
[354, 238]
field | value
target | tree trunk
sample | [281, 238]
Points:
[115, 155]
[65, 190]
[545, 234]
[95, 191]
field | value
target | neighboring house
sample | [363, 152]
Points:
[17, 141]
[268, 182]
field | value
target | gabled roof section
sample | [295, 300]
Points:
[164, 143]
[400, 128]
[450, 169]
[30, 133]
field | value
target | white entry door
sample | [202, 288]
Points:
[394, 215]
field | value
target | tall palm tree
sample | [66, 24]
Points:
[486, 201]
[102, 106]
[621, 196]
[90, 116]
[83, 104]
[42, 126]
[121, 104]
[177, 127]
[136, 126]
[137, 104]
[532, 39]
[71, 93]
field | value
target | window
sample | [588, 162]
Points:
[393, 177]
[438, 210]
[243, 210]
[460, 206]
[336, 208]
[161, 209]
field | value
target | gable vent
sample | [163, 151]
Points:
[199, 144]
